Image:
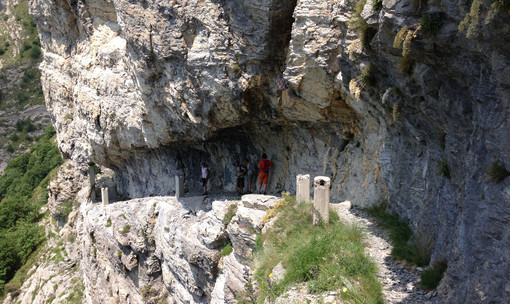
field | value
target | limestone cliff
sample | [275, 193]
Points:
[151, 89]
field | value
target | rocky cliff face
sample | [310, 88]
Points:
[151, 89]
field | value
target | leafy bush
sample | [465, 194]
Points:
[14, 137]
[2, 51]
[26, 46]
[431, 23]
[22, 192]
[21, 97]
[497, 171]
[430, 278]
[29, 74]
[35, 52]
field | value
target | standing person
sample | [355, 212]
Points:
[252, 174]
[264, 166]
[204, 175]
[240, 173]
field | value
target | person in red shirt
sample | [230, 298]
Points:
[264, 166]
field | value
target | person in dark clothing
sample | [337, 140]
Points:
[240, 173]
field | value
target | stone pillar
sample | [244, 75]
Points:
[303, 188]
[92, 183]
[179, 186]
[321, 199]
[104, 195]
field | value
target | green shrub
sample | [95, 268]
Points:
[376, 4]
[404, 244]
[26, 46]
[2, 51]
[431, 23]
[14, 137]
[35, 52]
[25, 124]
[97, 170]
[444, 170]
[497, 171]
[108, 222]
[10, 148]
[21, 97]
[227, 250]
[29, 75]
[430, 278]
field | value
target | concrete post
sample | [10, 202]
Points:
[303, 188]
[179, 186]
[104, 195]
[321, 199]
[92, 183]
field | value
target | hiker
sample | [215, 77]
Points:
[251, 173]
[204, 176]
[240, 173]
[264, 166]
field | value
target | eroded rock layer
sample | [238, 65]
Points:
[151, 89]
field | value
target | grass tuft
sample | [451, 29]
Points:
[227, 250]
[126, 229]
[497, 171]
[232, 209]
[444, 170]
[430, 278]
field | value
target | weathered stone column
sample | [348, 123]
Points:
[321, 199]
[303, 188]
[179, 186]
[92, 183]
[104, 195]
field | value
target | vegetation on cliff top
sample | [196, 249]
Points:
[22, 193]
[325, 257]
[20, 55]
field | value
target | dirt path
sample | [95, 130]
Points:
[400, 284]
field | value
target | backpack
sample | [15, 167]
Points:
[265, 166]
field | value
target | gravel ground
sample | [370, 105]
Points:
[400, 282]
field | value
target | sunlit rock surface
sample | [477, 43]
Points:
[151, 89]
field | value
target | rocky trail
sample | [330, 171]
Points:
[399, 282]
